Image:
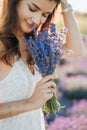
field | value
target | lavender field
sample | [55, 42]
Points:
[72, 92]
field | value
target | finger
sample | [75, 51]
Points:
[53, 90]
[46, 79]
[49, 84]
[50, 90]
[49, 96]
[47, 90]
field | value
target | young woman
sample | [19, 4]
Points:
[22, 90]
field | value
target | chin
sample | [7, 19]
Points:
[27, 31]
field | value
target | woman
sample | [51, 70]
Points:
[22, 90]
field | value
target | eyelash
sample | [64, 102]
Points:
[34, 10]
[45, 16]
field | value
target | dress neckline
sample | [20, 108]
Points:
[28, 67]
[13, 67]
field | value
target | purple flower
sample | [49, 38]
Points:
[46, 51]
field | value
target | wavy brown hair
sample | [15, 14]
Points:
[8, 25]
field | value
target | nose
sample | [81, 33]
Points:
[36, 19]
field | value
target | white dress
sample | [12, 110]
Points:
[19, 84]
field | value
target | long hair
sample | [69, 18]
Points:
[8, 25]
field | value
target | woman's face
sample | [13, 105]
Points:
[33, 12]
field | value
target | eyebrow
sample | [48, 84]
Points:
[39, 8]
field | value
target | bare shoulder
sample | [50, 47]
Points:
[4, 70]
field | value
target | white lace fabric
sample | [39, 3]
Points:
[20, 84]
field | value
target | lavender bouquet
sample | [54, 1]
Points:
[46, 51]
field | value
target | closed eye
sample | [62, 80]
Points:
[45, 15]
[31, 9]
[34, 10]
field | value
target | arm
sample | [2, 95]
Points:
[10, 109]
[43, 92]
[73, 38]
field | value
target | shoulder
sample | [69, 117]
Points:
[4, 69]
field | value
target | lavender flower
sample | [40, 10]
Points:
[46, 51]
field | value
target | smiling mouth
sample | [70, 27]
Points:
[29, 25]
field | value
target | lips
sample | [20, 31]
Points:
[29, 25]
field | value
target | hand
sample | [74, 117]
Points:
[64, 4]
[63, 1]
[43, 91]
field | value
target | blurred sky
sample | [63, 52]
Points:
[79, 5]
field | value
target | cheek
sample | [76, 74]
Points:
[23, 15]
[23, 12]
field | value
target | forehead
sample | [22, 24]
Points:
[45, 5]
